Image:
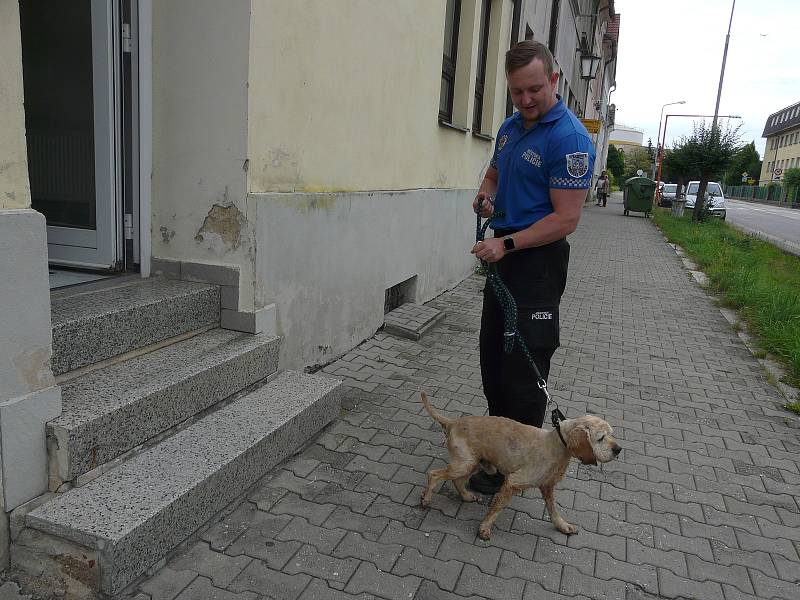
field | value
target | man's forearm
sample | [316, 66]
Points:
[488, 186]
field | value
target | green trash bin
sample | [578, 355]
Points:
[638, 195]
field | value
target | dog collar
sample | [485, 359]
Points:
[556, 417]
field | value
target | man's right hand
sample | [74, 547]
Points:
[485, 203]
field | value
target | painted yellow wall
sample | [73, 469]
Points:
[344, 96]
[786, 153]
[199, 195]
[14, 187]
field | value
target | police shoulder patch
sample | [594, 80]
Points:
[578, 164]
[501, 142]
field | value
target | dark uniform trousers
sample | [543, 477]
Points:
[536, 278]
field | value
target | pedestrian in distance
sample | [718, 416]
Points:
[539, 176]
[602, 189]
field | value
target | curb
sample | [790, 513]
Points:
[774, 369]
[785, 245]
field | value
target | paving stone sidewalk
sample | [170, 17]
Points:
[702, 504]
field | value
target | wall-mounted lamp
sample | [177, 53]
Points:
[589, 65]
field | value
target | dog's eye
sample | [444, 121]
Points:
[601, 438]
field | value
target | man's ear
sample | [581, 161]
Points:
[554, 79]
[580, 447]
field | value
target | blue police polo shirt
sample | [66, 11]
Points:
[556, 152]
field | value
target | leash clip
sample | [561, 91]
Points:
[543, 386]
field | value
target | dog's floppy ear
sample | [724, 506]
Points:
[580, 447]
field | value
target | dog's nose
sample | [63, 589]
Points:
[616, 449]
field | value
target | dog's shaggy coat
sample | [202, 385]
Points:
[526, 455]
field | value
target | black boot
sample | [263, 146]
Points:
[486, 484]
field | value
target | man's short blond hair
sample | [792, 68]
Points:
[522, 53]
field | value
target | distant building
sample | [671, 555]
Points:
[574, 30]
[782, 152]
[626, 138]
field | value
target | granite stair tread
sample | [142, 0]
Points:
[94, 326]
[114, 409]
[132, 516]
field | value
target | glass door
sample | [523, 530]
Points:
[70, 53]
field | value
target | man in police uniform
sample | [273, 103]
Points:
[539, 177]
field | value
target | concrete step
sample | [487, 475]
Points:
[108, 532]
[112, 410]
[94, 326]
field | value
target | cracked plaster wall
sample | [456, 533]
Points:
[200, 69]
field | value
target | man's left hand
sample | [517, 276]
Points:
[490, 250]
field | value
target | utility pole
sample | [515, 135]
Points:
[722, 72]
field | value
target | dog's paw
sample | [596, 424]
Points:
[424, 502]
[469, 497]
[567, 528]
[485, 532]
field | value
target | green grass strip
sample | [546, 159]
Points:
[751, 275]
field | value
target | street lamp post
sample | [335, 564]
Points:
[722, 71]
[658, 137]
[664, 135]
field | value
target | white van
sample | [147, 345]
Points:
[715, 199]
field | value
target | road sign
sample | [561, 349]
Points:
[778, 172]
[592, 125]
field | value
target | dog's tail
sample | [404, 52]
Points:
[443, 421]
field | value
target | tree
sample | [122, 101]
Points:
[615, 162]
[791, 179]
[676, 167]
[651, 152]
[635, 159]
[709, 150]
[746, 160]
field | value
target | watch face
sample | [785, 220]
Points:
[508, 243]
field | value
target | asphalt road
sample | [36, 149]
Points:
[777, 224]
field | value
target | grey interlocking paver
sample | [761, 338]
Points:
[167, 584]
[545, 574]
[300, 530]
[220, 568]
[701, 504]
[643, 576]
[370, 579]
[203, 589]
[336, 571]
[259, 578]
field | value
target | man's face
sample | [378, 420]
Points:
[532, 91]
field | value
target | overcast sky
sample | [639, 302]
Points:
[672, 50]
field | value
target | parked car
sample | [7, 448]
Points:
[715, 199]
[668, 193]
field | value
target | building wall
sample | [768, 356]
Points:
[535, 15]
[28, 394]
[782, 151]
[200, 96]
[345, 96]
[326, 260]
[622, 136]
[353, 184]
[14, 188]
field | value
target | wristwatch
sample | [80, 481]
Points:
[508, 243]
